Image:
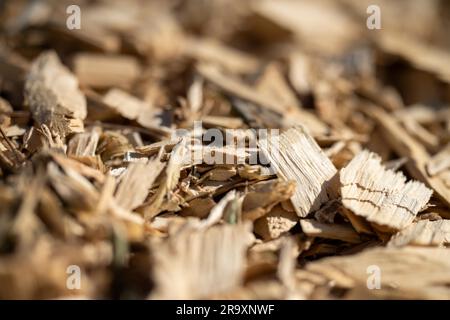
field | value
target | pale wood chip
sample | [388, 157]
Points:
[439, 162]
[52, 93]
[102, 71]
[277, 222]
[305, 20]
[381, 196]
[423, 233]
[263, 196]
[404, 273]
[406, 146]
[84, 144]
[218, 212]
[213, 258]
[171, 177]
[136, 183]
[296, 156]
[318, 229]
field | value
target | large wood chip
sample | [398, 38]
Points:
[404, 273]
[381, 196]
[52, 93]
[423, 233]
[296, 156]
[214, 260]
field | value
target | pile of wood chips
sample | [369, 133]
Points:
[94, 173]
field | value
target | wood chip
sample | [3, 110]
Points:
[100, 71]
[406, 146]
[439, 162]
[218, 252]
[296, 156]
[53, 96]
[132, 108]
[423, 233]
[381, 196]
[314, 228]
[405, 273]
[277, 222]
[136, 181]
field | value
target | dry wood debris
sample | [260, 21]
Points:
[381, 196]
[263, 149]
[295, 155]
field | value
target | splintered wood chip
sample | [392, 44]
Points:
[170, 180]
[52, 94]
[214, 261]
[296, 156]
[381, 196]
[84, 144]
[423, 233]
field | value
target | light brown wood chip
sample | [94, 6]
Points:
[136, 182]
[172, 175]
[103, 71]
[213, 51]
[52, 93]
[275, 223]
[404, 145]
[296, 156]
[318, 229]
[439, 162]
[264, 195]
[193, 264]
[423, 233]
[132, 108]
[404, 273]
[234, 86]
[381, 196]
[84, 144]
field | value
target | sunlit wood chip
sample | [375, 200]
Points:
[423, 233]
[381, 196]
[52, 93]
[296, 156]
